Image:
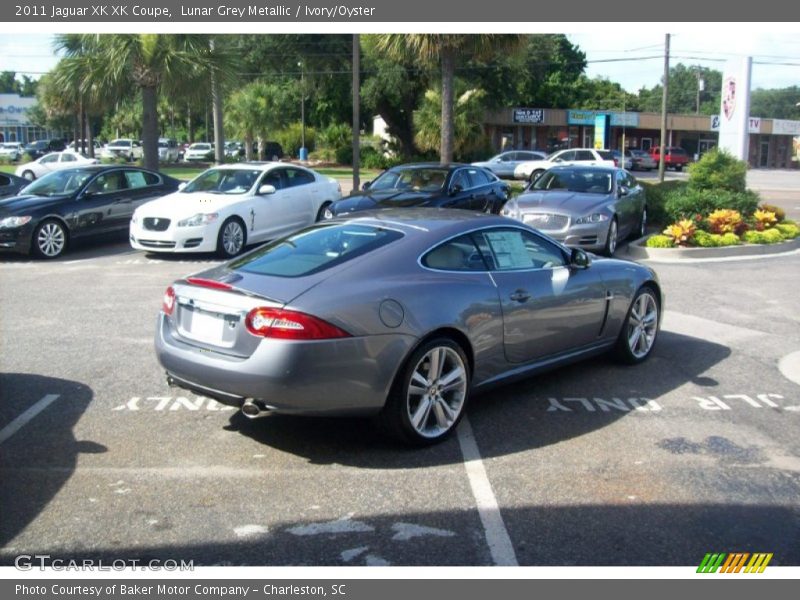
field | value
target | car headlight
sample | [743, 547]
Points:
[13, 222]
[327, 213]
[199, 219]
[511, 209]
[593, 218]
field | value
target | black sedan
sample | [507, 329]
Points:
[428, 184]
[76, 203]
[10, 184]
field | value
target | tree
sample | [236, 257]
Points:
[469, 139]
[259, 109]
[776, 104]
[683, 91]
[444, 50]
[150, 62]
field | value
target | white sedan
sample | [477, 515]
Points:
[571, 156]
[53, 162]
[226, 208]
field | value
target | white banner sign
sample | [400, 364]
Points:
[734, 118]
[784, 127]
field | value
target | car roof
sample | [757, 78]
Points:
[431, 165]
[584, 168]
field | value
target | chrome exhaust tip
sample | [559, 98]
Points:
[251, 410]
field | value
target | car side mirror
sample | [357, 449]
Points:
[181, 185]
[558, 160]
[366, 185]
[266, 189]
[623, 190]
[456, 188]
[579, 259]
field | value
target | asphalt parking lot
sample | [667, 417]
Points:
[694, 451]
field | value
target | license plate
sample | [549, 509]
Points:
[206, 327]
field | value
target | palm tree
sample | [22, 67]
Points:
[150, 62]
[445, 49]
[469, 138]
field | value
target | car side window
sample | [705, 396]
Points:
[516, 250]
[140, 179]
[274, 178]
[49, 159]
[107, 183]
[295, 177]
[461, 179]
[584, 155]
[4, 180]
[67, 157]
[478, 178]
[458, 254]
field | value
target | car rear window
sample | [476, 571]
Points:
[315, 249]
[679, 151]
[605, 155]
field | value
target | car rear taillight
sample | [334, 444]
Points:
[616, 162]
[290, 325]
[168, 304]
[209, 283]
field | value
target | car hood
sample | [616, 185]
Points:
[182, 205]
[19, 205]
[383, 199]
[562, 201]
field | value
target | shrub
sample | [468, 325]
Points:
[779, 213]
[681, 233]
[714, 240]
[724, 220]
[788, 230]
[336, 135]
[718, 170]
[659, 241]
[770, 236]
[290, 138]
[656, 195]
[686, 203]
[764, 219]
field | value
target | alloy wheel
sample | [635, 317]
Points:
[232, 238]
[51, 239]
[642, 325]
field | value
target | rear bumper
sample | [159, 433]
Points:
[332, 377]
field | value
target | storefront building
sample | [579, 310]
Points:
[15, 125]
[771, 140]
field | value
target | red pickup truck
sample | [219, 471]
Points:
[674, 157]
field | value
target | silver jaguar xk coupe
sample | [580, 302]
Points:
[399, 313]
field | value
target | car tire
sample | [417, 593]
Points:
[639, 331]
[535, 175]
[679, 168]
[321, 211]
[50, 239]
[29, 175]
[428, 411]
[612, 238]
[641, 230]
[232, 238]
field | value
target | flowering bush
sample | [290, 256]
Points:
[764, 219]
[724, 220]
[681, 233]
[780, 214]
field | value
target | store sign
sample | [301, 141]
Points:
[753, 124]
[784, 127]
[624, 119]
[600, 121]
[531, 116]
[735, 123]
[580, 117]
[13, 110]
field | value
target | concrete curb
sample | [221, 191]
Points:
[638, 251]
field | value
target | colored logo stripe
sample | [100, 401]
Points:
[733, 563]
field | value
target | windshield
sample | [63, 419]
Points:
[200, 147]
[125, 143]
[223, 181]
[587, 181]
[59, 183]
[315, 249]
[418, 179]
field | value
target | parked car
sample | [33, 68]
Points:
[400, 314]
[39, 148]
[638, 160]
[199, 152]
[428, 184]
[76, 147]
[75, 203]
[125, 148]
[167, 150]
[12, 151]
[234, 150]
[583, 207]
[503, 164]
[54, 161]
[11, 184]
[571, 156]
[225, 208]
[674, 157]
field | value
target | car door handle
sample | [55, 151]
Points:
[520, 296]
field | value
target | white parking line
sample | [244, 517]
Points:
[500, 546]
[29, 414]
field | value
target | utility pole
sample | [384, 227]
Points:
[664, 111]
[356, 110]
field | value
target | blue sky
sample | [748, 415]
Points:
[32, 53]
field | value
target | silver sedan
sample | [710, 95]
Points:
[399, 313]
[585, 207]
